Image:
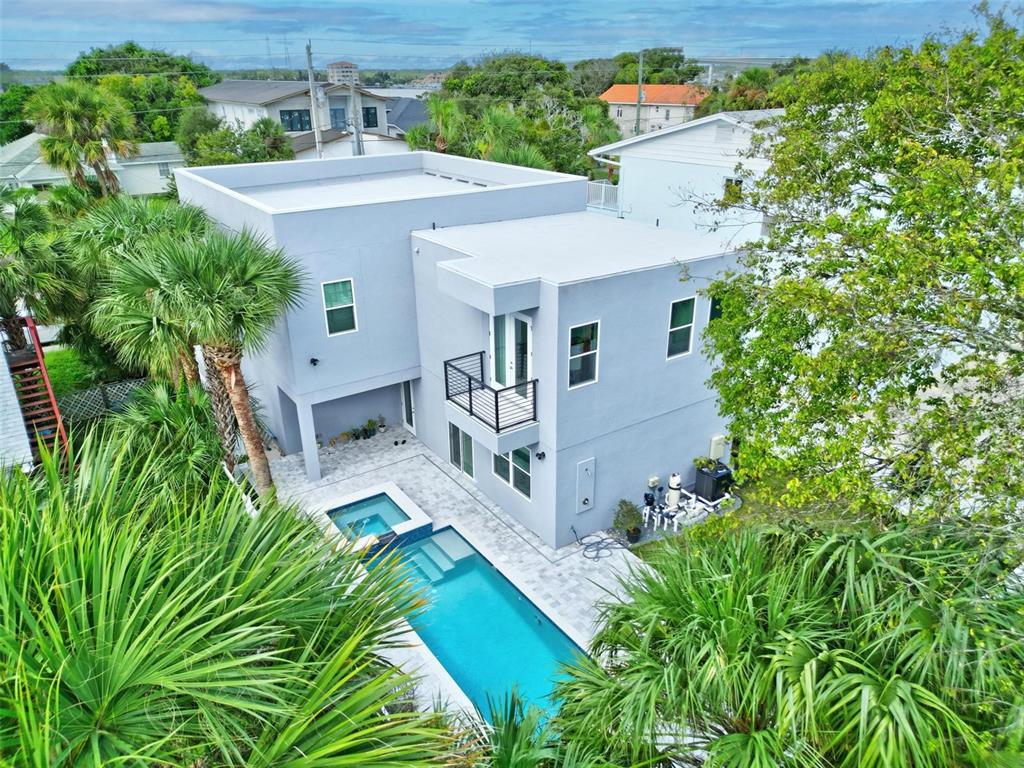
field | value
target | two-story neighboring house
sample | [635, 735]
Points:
[287, 101]
[661, 106]
[666, 177]
[549, 353]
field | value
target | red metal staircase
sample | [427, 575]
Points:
[35, 394]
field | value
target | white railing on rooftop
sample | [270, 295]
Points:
[602, 196]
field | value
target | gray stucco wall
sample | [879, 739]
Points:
[336, 416]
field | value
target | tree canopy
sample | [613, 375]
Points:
[264, 140]
[515, 108]
[157, 86]
[12, 112]
[869, 352]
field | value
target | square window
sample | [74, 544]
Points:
[583, 354]
[680, 330]
[369, 117]
[339, 306]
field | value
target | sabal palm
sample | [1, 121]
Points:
[145, 625]
[525, 155]
[33, 269]
[233, 289]
[794, 649]
[83, 124]
[447, 121]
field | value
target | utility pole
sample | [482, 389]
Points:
[357, 116]
[639, 93]
[314, 105]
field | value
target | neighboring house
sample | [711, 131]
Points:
[342, 143]
[287, 102]
[549, 353]
[405, 112]
[661, 106]
[15, 448]
[665, 174]
[22, 165]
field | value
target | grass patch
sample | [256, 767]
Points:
[67, 372]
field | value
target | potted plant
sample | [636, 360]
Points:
[628, 519]
[371, 427]
[381, 426]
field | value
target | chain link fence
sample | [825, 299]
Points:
[97, 401]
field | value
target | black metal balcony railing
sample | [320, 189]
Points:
[499, 409]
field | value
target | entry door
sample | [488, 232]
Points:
[408, 407]
[511, 350]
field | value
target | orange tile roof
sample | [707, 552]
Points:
[622, 93]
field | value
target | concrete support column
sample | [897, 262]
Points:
[310, 452]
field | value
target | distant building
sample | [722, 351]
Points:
[343, 73]
[433, 80]
[22, 165]
[661, 106]
[287, 101]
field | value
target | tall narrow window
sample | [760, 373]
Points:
[716, 309]
[582, 354]
[732, 192]
[460, 449]
[369, 117]
[164, 169]
[514, 469]
[680, 327]
[339, 306]
[500, 360]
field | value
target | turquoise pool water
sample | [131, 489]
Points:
[375, 516]
[484, 631]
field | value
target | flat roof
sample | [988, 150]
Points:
[568, 248]
[301, 185]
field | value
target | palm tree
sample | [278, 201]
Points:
[525, 155]
[33, 269]
[233, 289]
[159, 624]
[84, 124]
[796, 647]
[447, 122]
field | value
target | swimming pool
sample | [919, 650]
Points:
[485, 632]
[373, 516]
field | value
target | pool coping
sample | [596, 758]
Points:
[417, 517]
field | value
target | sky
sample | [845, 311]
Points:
[47, 34]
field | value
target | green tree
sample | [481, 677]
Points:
[12, 112]
[132, 59]
[160, 623]
[193, 123]
[264, 141]
[33, 269]
[82, 124]
[233, 288]
[508, 76]
[869, 351]
[810, 649]
[661, 65]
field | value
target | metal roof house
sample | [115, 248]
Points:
[551, 354]
[22, 165]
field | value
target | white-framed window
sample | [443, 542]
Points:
[339, 306]
[514, 469]
[732, 190]
[164, 169]
[583, 354]
[680, 327]
[460, 449]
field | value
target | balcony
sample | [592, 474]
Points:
[502, 411]
[602, 196]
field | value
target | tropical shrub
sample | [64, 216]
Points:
[795, 647]
[144, 627]
[67, 371]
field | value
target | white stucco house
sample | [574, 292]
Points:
[550, 354]
[287, 101]
[22, 165]
[661, 106]
[663, 175]
[337, 143]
